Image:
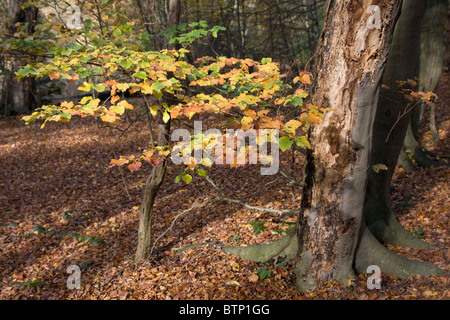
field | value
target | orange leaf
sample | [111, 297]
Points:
[53, 76]
[134, 166]
[114, 99]
[314, 118]
[253, 278]
[305, 78]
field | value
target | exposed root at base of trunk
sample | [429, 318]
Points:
[392, 232]
[371, 252]
[285, 249]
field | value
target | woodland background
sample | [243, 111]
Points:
[61, 204]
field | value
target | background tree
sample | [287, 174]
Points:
[391, 125]
[19, 18]
[432, 46]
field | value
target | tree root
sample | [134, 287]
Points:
[392, 232]
[419, 154]
[371, 252]
[285, 248]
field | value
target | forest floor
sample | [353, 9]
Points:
[60, 205]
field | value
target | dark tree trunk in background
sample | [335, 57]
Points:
[432, 46]
[18, 97]
[389, 130]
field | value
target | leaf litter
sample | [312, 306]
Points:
[56, 182]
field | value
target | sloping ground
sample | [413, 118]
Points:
[60, 205]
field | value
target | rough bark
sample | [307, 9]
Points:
[332, 239]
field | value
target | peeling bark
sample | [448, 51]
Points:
[333, 239]
[351, 61]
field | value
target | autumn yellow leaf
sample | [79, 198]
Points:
[314, 118]
[125, 104]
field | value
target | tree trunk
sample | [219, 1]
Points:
[152, 185]
[18, 96]
[432, 47]
[158, 173]
[351, 61]
[332, 239]
[390, 131]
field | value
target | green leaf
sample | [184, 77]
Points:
[141, 75]
[258, 227]
[263, 273]
[202, 173]
[285, 143]
[187, 178]
[126, 64]
[85, 265]
[99, 87]
[97, 70]
[31, 284]
[67, 216]
[23, 72]
[157, 86]
[117, 33]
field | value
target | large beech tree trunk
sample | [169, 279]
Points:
[351, 61]
[331, 240]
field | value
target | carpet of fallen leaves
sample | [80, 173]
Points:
[60, 205]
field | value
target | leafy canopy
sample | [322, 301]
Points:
[252, 93]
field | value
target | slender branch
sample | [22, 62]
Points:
[400, 116]
[223, 198]
[242, 203]
[292, 180]
[179, 215]
[149, 122]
